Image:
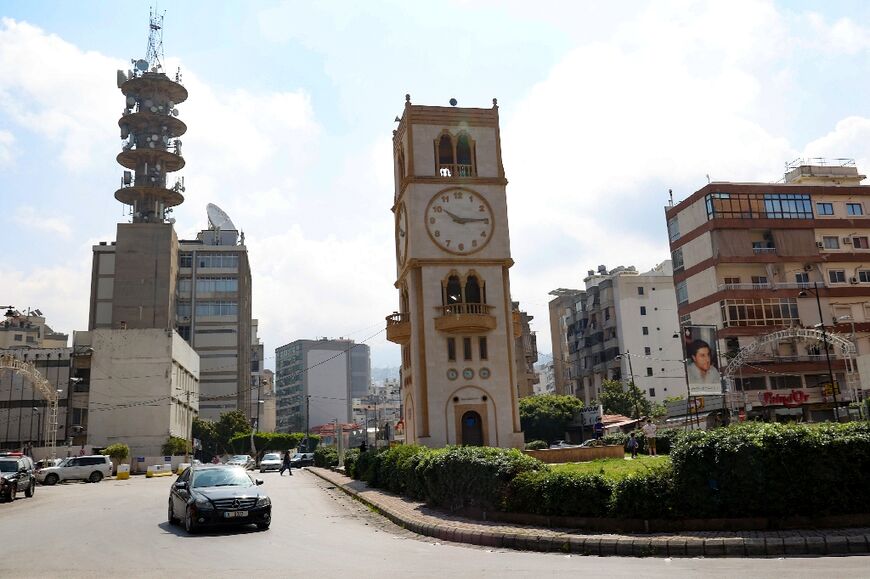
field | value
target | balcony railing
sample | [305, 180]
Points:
[465, 318]
[463, 309]
[456, 170]
[768, 285]
[763, 250]
[399, 328]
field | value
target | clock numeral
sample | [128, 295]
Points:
[438, 209]
[461, 247]
[431, 220]
[437, 233]
[482, 209]
[445, 198]
[457, 194]
[447, 242]
[483, 233]
[486, 221]
[471, 198]
[473, 243]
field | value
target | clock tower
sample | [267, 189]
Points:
[455, 321]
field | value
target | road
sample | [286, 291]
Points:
[119, 528]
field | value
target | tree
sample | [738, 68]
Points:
[117, 452]
[175, 446]
[546, 417]
[229, 425]
[625, 399]
[206, 432]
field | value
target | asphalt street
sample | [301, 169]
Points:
[119, 528]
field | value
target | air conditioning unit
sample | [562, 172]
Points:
[853, 280]
[820, 245]
[847, 241]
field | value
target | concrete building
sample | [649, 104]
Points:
[565, 311]
[454, 320]
[526, 352]
[546, 379]
[751, 259]
[29, 330]
[623, 327]
[143, 388]
[322, 373]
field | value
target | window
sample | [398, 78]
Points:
[453, 291]
[854, 209]
[837, 275]
[643, 310]
[785, 382]
[183, 286]
[673, 229]
[759, 312]
[682, 292]
[758, 206]
[606, 314]
[185, 260]
[732, 282]
[864, 275]
[184, 332]
[217, 308]
[466, 348]
[676, 261]
[831, 242]
[481, 342]
[825, 208]
[217, 260]
[472, 290]
[451, 349]
[216, 284]
[640, 291]
[649, 372]
[860, 243]
[652, 392]
[455, 157]
[182, 309]
[645, 331]
[802, 279]
[647, 351]
[19, 337]
[759, 281]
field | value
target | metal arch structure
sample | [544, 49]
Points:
[44, 387]
[846, 349]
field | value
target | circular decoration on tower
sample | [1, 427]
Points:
[452, 374]
[468, 373]
[484, 373]
[459, 221]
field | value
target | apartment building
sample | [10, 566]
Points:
[754, 259]
[566, 310]
[526, 352]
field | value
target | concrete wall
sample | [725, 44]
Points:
[559, 455]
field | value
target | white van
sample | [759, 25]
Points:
[90, 468]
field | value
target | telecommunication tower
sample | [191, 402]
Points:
[150, 129]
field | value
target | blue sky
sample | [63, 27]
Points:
[291, 111]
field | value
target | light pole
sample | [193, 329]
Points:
[38, 424]
[627, 354]
[815, 292]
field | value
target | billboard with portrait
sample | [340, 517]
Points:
[702, 360]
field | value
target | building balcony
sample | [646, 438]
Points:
[462, 318]
[399, 329]
[518, 324]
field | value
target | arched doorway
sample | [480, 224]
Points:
[472, 429]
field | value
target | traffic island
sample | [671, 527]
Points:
[422, 519]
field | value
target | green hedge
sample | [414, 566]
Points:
[351, 456]
[756, 469]
[665, 440]
[544, 492]
[537, 445]
[326, 457]
[645, 495]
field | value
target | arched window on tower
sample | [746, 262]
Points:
[472, 290]
[452, 291]
[400, 166]
[464, 160]
[445, 156]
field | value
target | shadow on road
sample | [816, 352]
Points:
[179, 531]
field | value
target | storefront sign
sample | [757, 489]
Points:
[791, 399]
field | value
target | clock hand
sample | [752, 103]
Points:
[473, 219]
[454, 217]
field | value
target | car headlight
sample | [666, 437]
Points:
[264, 501]
[203, 504]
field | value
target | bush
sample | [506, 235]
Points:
[326, 457]
[545, 417]
[351, 456]
[396, 468]
[457, 477]
[664, 440]
[118, 452]
[545, 492]
[757, 469]
[645, 495]
[537, 445]
[175, 446]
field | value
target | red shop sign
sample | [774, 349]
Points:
[794, 398]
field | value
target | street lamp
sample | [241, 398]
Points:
[815, 291]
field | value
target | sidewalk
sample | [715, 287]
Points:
[417, 517]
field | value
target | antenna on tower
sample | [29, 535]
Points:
[154, 54]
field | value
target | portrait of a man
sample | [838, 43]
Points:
[700, 367]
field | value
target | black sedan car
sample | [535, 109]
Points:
[16, 475]
[218, 495]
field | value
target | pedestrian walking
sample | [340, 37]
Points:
[632, 445]
[285, 464]
[649, 432]
[598, 428]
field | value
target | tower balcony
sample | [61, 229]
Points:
[399, 329]
[462, 318]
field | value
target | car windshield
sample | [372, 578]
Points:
[271, 457]
[8, 466]
[221, 477]
[240, 457]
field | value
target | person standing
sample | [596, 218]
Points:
[632, 445]
[285, 464]
[598, 428]
[649, 432]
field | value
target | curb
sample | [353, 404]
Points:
[525, 538]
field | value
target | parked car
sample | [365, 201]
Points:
[242, 460]
[271, 461]
[47, 462]
[16, 475]
[90, 468]
[218, 495]
[301, 459]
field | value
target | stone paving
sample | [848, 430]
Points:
[419, 518]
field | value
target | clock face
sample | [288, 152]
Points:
[459, 221]
[401, 234]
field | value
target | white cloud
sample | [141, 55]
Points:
[7, 140]
[28, 217]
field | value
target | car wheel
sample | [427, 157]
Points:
[263, 526]
[51, 479]
[172, 519]
[189, 523]
[95, 477]
[10, 496]
[30, 489]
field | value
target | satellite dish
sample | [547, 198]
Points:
[174, 112]
[218, 219]
[148, 103]
[171, 220]
[122, 78]
[131, 101]
[142, 65]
